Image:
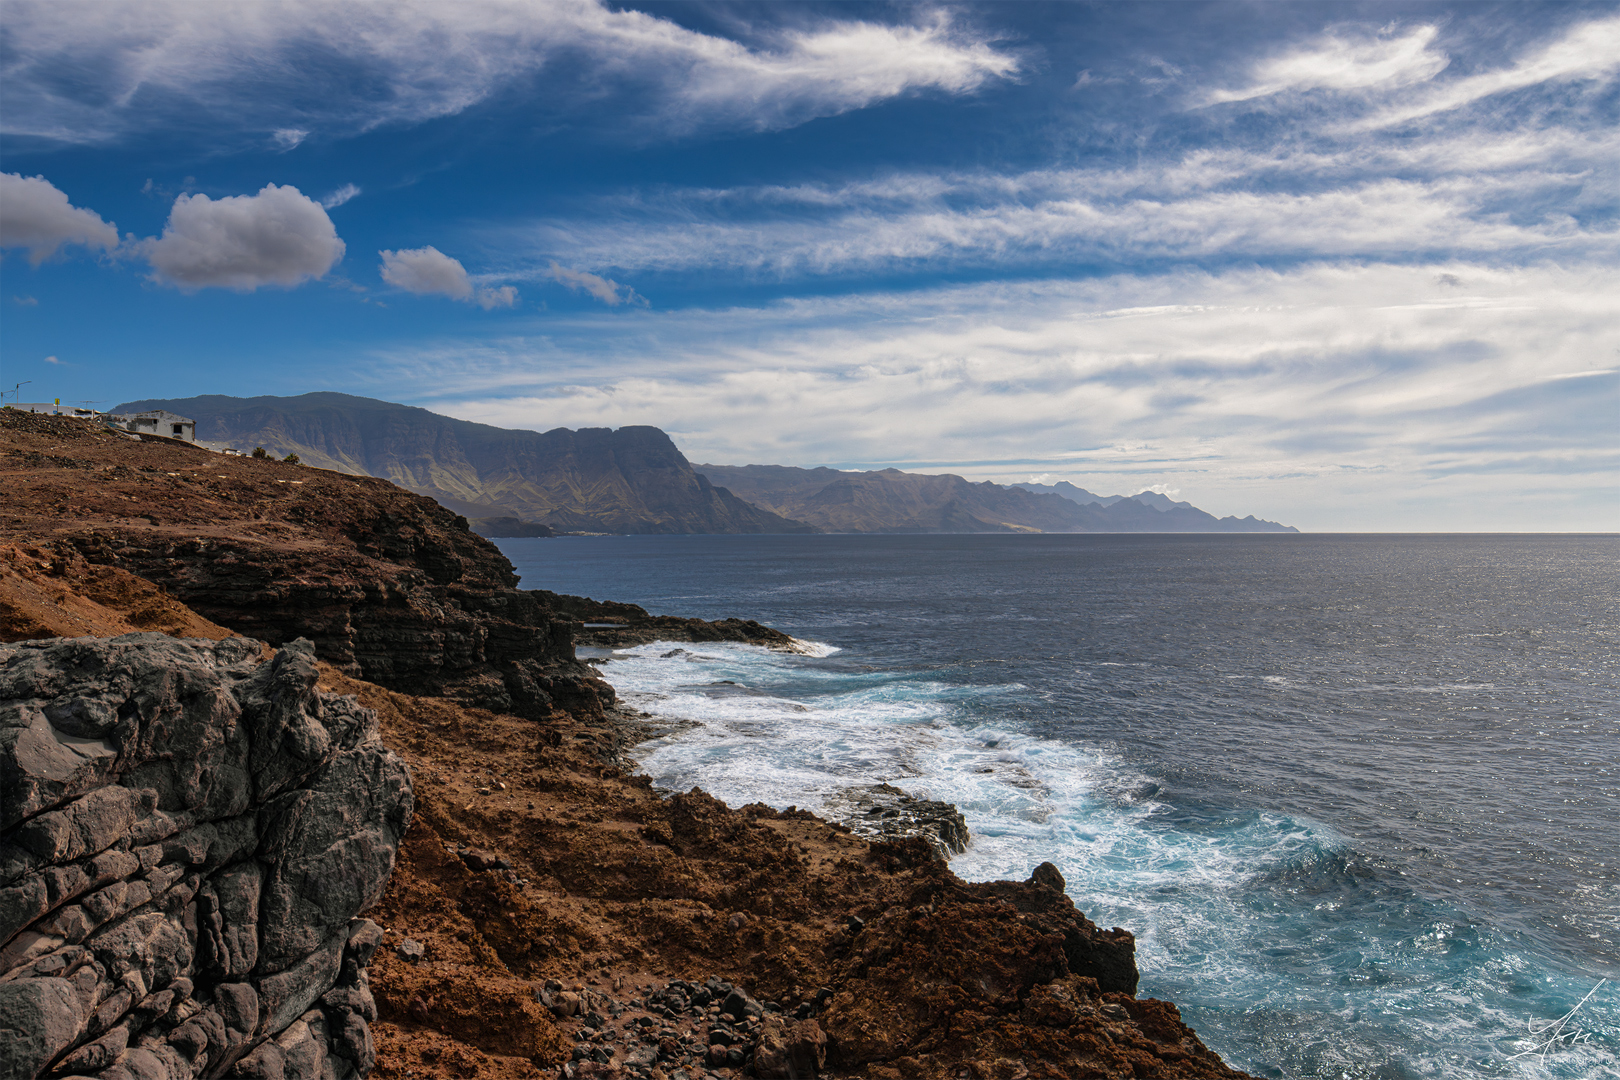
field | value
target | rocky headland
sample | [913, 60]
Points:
[199, 832]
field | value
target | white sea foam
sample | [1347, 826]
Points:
[817, 649]
[789, 729]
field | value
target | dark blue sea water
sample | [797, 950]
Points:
[1357, 796]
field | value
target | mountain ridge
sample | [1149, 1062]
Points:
[837, 501]
[515, 482]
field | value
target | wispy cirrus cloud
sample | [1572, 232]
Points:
[1344, 59]
[88, 73]
[340, 196]
[1447, 197]
[610, 293]
[1587, 52]
[1324, 181]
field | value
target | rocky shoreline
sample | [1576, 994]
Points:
[548, 913]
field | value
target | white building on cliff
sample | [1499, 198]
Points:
[157, 422]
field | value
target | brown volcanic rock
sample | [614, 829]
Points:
[627, 902]
[46, 594]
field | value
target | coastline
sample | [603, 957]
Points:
[535, 867]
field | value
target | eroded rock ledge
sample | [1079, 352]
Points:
[187, 833]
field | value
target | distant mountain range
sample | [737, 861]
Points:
[1082, 496]
[891, 501]
[634, 480]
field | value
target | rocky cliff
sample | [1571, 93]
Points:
[632, 480]
[388, 585]
[188, 834]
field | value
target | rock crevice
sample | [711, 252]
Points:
[188, 832]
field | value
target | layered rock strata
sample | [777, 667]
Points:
[188, 834]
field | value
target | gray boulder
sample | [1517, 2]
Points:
[188, 834]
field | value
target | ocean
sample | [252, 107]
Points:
[1358, 797]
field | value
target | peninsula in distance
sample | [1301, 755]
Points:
[635, 480]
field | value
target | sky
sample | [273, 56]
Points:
[1353, 267]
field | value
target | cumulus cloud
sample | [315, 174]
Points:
[95, 72]
[277, 237]
[36, 215]
[427, 271]
[1345, 60]
[340, 196]
[610, 293]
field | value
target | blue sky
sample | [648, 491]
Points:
[1346, 266]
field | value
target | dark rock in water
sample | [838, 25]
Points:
[884, 812]
[187, 836]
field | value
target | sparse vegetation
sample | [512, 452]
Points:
[291, 459]
[259, 452]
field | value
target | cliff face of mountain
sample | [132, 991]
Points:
[629, 480]
[891, 501]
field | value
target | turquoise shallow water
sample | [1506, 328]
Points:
[1358, 797]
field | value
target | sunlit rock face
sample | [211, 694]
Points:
[188, 832]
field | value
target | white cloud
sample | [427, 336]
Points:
[288, 138]
[1345, 59]
[1445, 196]
[490, 298]
[427, 271]
[242, 242]
[340, 196]
[1348, 396]
[52, 360]
[82, 72]
[36, 215]
[610, 293]
[1588, 51]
